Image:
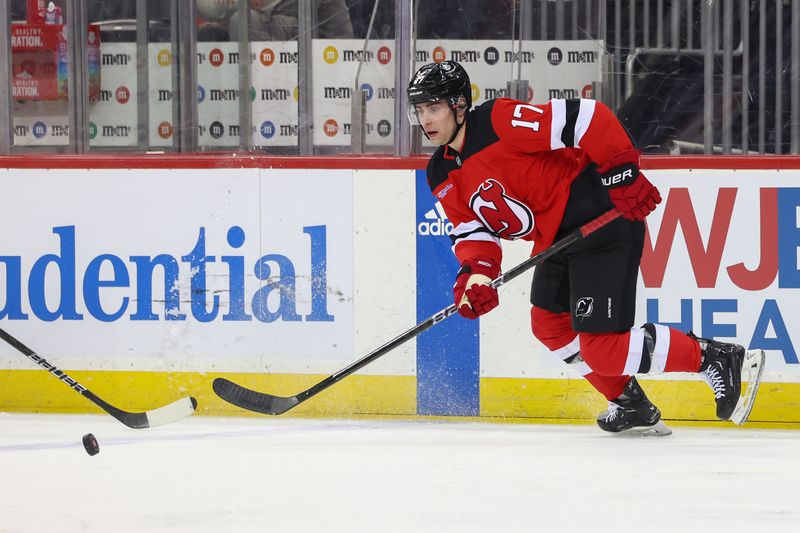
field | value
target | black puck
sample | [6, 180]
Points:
[90, 443]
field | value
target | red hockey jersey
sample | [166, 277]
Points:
[512, 178]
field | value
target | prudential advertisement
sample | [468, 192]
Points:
[241, 264]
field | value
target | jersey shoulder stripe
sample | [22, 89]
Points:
[572, 108]
[569, 121]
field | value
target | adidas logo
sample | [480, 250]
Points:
[435, 222]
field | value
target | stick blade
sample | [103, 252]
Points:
[172, 412]
[156, 417]
[258, 402]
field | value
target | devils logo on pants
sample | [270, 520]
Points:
[584, 307]
[506, 217]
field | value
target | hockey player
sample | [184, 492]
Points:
[511, 170]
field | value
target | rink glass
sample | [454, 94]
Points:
[284, 77]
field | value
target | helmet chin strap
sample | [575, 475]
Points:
[458, 126]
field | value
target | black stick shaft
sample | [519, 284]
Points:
[583, 231]
[44, 363]
[65, 378]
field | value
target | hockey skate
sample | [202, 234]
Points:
[724, 366]
[632, 414]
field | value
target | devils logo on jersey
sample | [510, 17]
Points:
[506, 217]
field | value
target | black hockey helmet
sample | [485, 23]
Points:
[440, 81]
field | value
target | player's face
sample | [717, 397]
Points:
[436, 118]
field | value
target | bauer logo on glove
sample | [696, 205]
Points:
[620, 178]
[632, 194]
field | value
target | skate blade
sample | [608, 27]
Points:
[752, 369]
[659, 429]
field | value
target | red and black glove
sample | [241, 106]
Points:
[472, 293]
[633, 195]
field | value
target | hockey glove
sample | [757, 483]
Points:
[632, 194]
[472, 293]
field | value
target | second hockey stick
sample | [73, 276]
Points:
[155, 417]
[261, 402]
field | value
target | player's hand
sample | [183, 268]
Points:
[472, 293]
[632, 193]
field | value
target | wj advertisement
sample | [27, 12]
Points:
[722, 258]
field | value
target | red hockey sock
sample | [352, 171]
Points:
[554, 330]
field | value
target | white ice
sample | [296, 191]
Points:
[284, 475]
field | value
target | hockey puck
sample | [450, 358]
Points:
[90, 443]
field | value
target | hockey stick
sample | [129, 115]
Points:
[156, 417]
[261, 402]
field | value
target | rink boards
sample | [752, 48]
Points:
[146, 282]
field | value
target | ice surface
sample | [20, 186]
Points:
[284, 475]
